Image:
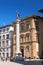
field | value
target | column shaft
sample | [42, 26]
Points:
[17, 38]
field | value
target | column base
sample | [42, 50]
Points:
[19, 57]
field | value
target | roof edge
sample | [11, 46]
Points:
[31, 16]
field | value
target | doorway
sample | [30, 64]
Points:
[22, 51]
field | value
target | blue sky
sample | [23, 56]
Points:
[8, 9]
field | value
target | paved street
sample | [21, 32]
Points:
[28, 62]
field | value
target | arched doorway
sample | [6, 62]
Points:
[22, 50]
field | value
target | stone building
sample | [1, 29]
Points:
[31, 37]
[5, 42]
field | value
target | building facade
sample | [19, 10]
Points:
[5, 42]
[31, 37]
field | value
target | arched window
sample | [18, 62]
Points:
[27, 37]
[27, 26]
[22, 27]
[21, 38]
[27, 49]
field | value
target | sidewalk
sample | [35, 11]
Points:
[9, 63]
[27, 62]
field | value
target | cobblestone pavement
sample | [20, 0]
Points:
[26, 62]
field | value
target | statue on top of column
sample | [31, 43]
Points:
[17, 15]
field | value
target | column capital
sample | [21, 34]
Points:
[18, 20]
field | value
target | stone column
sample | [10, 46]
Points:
[18, 52]
[17, 37]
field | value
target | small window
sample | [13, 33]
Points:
[27, 37]
[7, 36]
[37, 22]
[3, 30]
[3, 43]
[22, 27]
[27, 26]
[3, 49]
[7, 43]
[7, 55]
[3, 36]
[7, 29]
[37, 28]
[0, 37]
[7, 49]
[3, 55]
[21, 38]
[37, 25]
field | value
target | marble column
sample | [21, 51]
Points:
[18, 52]
[17, 37]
